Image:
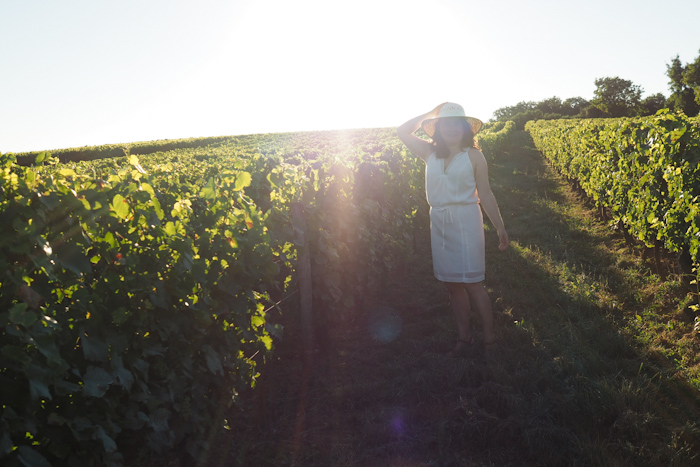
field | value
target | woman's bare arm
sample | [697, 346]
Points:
[486, 197]
[418, 146]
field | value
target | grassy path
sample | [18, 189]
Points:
[592, 368]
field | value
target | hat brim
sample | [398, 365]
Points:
[428, 126]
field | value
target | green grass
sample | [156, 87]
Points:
[597, 361]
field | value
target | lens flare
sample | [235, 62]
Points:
[384, 324]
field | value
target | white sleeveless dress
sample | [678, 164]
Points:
[456, 221]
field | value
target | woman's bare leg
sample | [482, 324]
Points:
[461, 307]
[481, 302]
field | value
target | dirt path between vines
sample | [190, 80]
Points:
[567, 385]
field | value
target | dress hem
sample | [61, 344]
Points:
[461, 281]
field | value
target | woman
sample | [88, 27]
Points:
[456, 182]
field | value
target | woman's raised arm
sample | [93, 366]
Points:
[418, 146]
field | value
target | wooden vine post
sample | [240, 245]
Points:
[304, 279]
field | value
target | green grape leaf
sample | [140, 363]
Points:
[213, 361]
[20, 315]
[30, 458]
[120, 206]
[73, 258]
[94, 349]
[209, 190]
[243, 180]
[96, 381]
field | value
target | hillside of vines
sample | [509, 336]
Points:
[598, 361]
[139, 293]
[150, 303]
[644, 174]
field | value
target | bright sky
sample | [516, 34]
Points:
[87, 72]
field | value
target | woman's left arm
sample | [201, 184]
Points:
[486, 197]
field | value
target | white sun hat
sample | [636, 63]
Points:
[450, 109]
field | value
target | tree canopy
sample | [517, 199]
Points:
[684, 85]
[615, 97]
[547, 109]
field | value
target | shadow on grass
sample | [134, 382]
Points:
[565, 386]
[562, 284]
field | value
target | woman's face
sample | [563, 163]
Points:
[451, 129]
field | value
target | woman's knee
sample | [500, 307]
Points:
[476, 291]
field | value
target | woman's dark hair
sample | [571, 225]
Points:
[468, 141]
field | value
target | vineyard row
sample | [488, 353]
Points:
[136, 294]
[644, 172]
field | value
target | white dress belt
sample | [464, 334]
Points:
[446, 215]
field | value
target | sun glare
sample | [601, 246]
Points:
[320, 65]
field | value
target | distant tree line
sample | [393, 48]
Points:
[615, 97]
